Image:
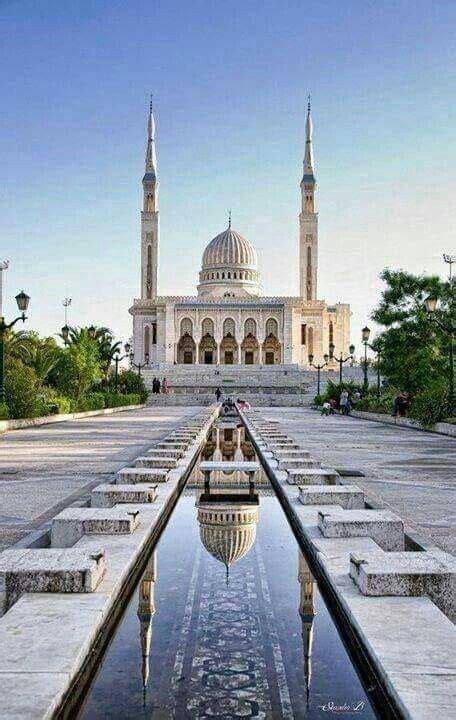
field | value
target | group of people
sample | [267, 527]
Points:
[160, 387]
[346, 402]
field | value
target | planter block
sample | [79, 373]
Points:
[156, 461]
[411, 574]
[165, 452]
[312, 476]
[133, 475]
[349, 497]
[382, 526]
[71, 524]
[50, 570]
[110, 495]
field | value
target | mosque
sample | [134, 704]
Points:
[229, 321]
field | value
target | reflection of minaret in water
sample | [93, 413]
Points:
[307, 612]
[146, 611]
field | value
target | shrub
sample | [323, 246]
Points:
[431, 404]
[93, 401]
[131, 382]
[318, 400]
[20, 390]
[113, 399]
[4, 411]
[79, 368]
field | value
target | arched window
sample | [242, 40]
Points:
[146, 344]
[309, 263]
[235, 276]
[272, 327]
[310, 338]
[186, 327]
[218, 276]
[229, 276]
[250, 327]
[149, 272]
[229, 327]
[331, 332]
[207, 327]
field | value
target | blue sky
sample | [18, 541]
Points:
[230, 81]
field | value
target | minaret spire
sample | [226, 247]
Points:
[151, 160]
[308, 154]
[308, 221]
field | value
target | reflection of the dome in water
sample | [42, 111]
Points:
[227, 529]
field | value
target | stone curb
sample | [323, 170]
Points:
[439, 428]
[6, 425]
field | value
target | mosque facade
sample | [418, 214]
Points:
[229, 321]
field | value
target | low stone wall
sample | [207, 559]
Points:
[441, 428]
[6, 425]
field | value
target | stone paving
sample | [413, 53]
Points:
[409, 471]
[44, 469]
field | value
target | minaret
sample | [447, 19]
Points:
[149, 216]
[307, 612]
[146, 611]
[308, 222]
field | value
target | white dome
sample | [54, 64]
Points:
[229, 267]
[229, 249]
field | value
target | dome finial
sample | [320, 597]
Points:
[308, 104]
[229, 219]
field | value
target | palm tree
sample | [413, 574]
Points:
[43, 358]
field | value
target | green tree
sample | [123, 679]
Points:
[21, 389]
[79, 367]
[43, 356]
[413, 354]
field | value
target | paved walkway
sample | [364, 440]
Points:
[412, 472]
[43, 469]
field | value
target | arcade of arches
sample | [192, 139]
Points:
[233, 348]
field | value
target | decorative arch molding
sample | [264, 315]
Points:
[186, 326]
[229, 327]
[250, 327]
[207, 327]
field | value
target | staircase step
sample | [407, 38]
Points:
[312, 476]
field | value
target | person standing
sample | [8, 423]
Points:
[165, 386]
[218, 394]
[344, 403]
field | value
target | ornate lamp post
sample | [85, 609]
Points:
[22, 300]
[117, 359]
[449, 329]
[318, 368]
[365, 334]
[341, 360]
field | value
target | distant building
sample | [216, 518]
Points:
[229, 321]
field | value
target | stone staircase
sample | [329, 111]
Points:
[260, 385]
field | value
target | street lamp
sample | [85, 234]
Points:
[341, 360]
[92, 332]
[118, 359]
[449, 330]
[365, 334]
[139, 366]
[22, 300]
[318, 368]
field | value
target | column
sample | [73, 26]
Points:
[197, 350]
[239, 354]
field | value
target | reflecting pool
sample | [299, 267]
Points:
[227, 621]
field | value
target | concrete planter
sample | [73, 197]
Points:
[6, 425]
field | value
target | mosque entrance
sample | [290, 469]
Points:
[269, 358]
[208, 357]
[229, 358]
[248, 357]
